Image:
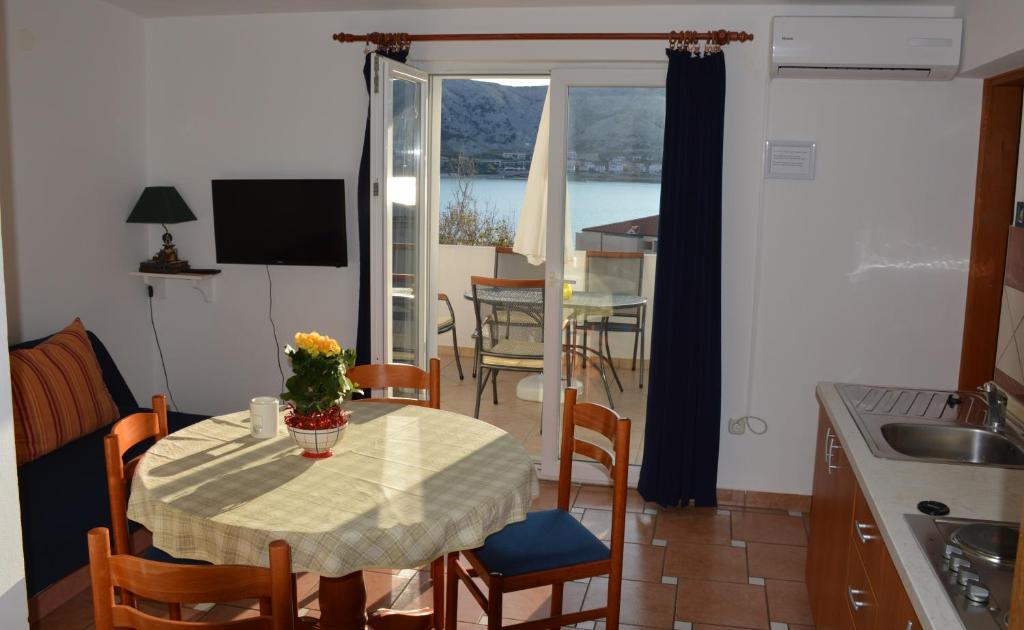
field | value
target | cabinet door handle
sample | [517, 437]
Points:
[910, 625]
[852, 593]
[830, 447]
[864, 538]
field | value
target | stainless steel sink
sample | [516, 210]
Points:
[935, 426]
[956, 444]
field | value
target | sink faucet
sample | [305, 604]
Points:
[996, 416]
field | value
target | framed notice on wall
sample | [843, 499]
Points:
[789, 159]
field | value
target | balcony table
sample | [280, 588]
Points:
[406, 485]
[580, 304]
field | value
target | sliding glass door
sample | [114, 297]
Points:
[399, 219]
[604, 186]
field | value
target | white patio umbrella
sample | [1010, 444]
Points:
[531, 230]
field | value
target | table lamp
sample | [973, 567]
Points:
[163, 205]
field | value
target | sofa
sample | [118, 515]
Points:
[64, 492]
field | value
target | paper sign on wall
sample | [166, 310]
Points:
[786, 159]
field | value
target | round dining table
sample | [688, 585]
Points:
[580, 304]
[406, 485]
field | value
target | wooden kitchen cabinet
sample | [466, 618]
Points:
[851, 579]
[831, 514]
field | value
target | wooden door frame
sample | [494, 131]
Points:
[993, 214]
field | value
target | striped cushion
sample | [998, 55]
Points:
[59, 393]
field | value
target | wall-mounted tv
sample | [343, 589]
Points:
[280, 222]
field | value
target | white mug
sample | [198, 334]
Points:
[263, 416]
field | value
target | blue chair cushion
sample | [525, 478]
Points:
[159, 555]
[545, 540]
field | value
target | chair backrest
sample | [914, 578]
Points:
[612, 427]
[124, 435]
[508, 264]
[615, 272]
[183, 584]
[523, 300]
[400, 376]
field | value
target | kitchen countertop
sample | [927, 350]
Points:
[893, 488]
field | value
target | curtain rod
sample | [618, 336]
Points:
[719, 37]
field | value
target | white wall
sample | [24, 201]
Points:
[78, 139]
[862, 271]
[993, 37]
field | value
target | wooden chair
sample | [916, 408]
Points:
[408, 377]
[177, 584]
[446, 323]
[552, 547]
[399, 375]
[125, 435]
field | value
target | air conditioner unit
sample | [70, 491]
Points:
[866, 48]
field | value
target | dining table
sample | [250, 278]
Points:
[579, 305]
[406, 485]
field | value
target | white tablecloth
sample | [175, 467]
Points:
[407, 484]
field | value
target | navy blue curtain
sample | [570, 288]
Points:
[363, 216]
[684, 393]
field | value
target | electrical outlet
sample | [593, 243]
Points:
[737, 426]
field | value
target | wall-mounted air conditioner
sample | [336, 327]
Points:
[866, 48]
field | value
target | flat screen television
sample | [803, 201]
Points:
[280, 222]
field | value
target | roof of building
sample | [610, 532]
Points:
[646, 226]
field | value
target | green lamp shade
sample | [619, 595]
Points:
[160, 204]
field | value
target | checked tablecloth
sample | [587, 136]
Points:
[406, 485]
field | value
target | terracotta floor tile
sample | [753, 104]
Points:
[600, 497]
[783, 562]
[419, 594]
[721, 603]
[639, 527]
[643, 562]
[693, 525]
[643, 604]
[535, 603]
[788, 603]
[548, 497]
[223, 612]
[701, 561]
[770, 528]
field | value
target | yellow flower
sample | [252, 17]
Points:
[315, 343]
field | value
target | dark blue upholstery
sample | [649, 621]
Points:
[545, 540]
[64, 493]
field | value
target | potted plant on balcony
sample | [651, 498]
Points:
[315, 392]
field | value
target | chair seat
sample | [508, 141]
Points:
[159, 555]
[545, 540]
[523, 355]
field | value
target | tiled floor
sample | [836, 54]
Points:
[521, 418]
[698, 569]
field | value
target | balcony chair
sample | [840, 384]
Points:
[446, 323]
[552, 547]
[621, 273]
[177, 584]
[495, 351]
[124, 436]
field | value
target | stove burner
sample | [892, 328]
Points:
[993, 543]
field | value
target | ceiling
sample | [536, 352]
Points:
[166, 8]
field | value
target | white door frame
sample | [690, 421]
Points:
[562, 79]
[381, 130]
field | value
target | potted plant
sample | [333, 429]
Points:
[315, 392]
